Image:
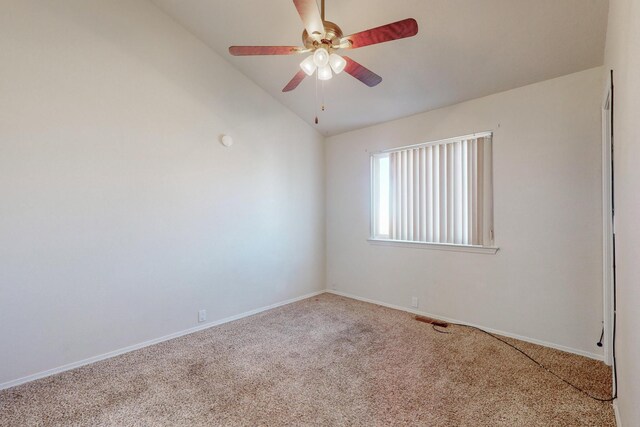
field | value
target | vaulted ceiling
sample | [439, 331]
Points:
[465, 49]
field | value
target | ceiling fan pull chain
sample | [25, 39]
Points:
[322, 89]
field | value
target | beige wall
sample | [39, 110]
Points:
[545, 282]
[121, 214]
[623, 57]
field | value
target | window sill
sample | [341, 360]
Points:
[436, 246]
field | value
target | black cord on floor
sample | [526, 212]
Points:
[438, 330]
[530, 358]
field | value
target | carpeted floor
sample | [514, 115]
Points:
[324, 361]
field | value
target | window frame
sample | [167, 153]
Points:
[488, 247]
[373, 217]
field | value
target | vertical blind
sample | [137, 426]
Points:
[436, 192]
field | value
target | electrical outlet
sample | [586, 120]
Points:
[414, 302]
[202, 315]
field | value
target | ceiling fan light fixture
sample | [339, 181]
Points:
[324, 73]
[308, 65]
[321, 57]
[337, 63]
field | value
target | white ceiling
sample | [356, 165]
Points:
[465, 49]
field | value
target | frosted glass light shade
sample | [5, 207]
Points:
[321, 57]
[337, 63]
[324, 73]
[308, 66]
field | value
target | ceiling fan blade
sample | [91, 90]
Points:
[295, 81]
[310, 14]
[385, 33]
[361, 73]
[265, 50]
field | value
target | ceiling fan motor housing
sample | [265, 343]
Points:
[331, 40]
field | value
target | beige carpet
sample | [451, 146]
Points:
[323, 361]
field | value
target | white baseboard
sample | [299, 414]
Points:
[114, 353]
[118, 352]
[616, 411]
[493, 331]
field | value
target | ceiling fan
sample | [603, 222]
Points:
[323, 38]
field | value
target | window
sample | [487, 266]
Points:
[438, 192]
